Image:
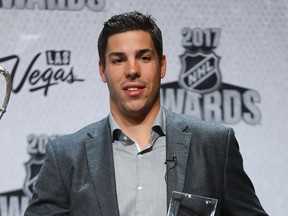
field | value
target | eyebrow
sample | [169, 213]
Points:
[138, 52]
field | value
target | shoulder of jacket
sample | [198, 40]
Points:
[197, 124]
[80, 135]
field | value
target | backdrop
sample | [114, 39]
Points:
[227, 62]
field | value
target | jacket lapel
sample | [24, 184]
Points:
[177, 144]
[101, 166]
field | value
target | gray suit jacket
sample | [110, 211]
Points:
[78, 178]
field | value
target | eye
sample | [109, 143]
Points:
[146, 58]
[116, 61]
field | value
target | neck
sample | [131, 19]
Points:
[137, 127]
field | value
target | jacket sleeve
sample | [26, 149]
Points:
[239, 193]
[50, 196]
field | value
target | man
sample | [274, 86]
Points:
[130, 162]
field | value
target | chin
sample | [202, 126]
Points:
[136, 111]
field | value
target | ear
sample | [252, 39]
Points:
[163, 66]
[102, 71]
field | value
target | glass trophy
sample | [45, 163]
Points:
[8, 79]
[183, 204]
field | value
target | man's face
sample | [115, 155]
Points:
[132, 73]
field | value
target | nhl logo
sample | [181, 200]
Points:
[200, 72]
[32, 170]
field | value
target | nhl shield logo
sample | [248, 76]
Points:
[200, 72]
[33, 167]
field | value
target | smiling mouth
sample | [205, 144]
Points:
[132, 89]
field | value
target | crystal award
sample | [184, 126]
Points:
[184, 204]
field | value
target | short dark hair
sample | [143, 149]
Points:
[129, 21]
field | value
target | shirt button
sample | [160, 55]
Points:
[125, 138]
[140, 188]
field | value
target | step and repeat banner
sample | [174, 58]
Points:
[227, 62]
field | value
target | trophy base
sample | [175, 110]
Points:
[183, 204]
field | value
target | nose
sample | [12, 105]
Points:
[132, 70]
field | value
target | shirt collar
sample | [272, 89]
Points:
[159, 124]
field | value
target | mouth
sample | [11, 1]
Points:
[134, 89]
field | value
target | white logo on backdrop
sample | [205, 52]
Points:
[200, 90]
[15, 202]
[67, 5]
